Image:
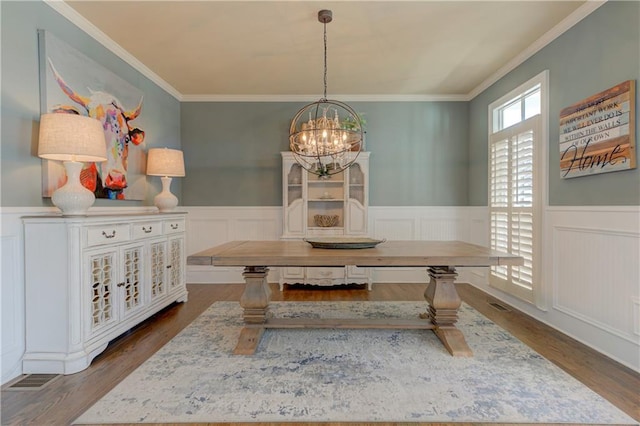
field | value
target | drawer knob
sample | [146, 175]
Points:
[147, 231]
[113, 234]
[174, 226]
[120, 284]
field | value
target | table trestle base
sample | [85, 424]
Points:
[441, 317]
[444, 303]
[251, 333]
[248, 340]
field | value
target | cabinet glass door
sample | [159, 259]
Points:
[174, 267]
[103, 279]
[158, 266]
[132, 281]
[294, 184]
[356, 183]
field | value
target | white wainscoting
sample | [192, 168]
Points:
[467, 224]
[12, 298]
[595, 283]
[210, 226]
[591, 285]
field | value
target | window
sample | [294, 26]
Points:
[518, 109]
[516, 185]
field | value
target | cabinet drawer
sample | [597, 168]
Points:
[108, 234]
[146, 229]
[174, 226]
[325, 272]
[291, 272]
[356, 272]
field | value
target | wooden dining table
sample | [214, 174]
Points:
[440, 258]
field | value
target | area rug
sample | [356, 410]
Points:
[342, 375]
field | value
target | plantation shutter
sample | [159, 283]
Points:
[512, 205]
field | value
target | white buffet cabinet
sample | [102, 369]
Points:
[305, 195]
[91, 278]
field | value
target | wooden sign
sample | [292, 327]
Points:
[597, 135]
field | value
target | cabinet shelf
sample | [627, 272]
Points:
[324, 200]
[324, 228]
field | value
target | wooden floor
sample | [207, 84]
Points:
[67, 397]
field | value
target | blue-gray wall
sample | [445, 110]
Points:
[422, 153]
[597, 53]
[418, 152]
[21, 176]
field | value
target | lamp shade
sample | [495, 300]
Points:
[165, 162]
[71, 137]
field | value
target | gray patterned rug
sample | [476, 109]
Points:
[348, 375]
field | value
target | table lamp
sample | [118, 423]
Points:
[166, 163]
[72, 139]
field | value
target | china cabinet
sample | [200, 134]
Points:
[325, 206]
[89, 279]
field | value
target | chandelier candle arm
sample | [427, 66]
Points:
[326, 136]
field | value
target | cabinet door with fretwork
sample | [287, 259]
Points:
[158, 285]
[131, 284]
[175, 269]
[100, 290]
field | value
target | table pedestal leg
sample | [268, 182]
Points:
[444, 303]
[255, 304]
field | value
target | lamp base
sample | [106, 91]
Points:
[72, 198]
[165, 201]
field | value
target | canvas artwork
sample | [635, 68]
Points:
[72, 83]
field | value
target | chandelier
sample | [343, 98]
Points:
[326, 136]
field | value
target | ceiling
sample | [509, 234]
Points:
[412, 49]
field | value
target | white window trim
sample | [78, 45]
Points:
[541, 176]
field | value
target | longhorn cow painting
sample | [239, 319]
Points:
[71, 83]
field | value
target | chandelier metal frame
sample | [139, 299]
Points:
[326, 136]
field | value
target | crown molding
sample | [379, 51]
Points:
[578, 15]
[81, 22]
[68, 12]
[313, 98]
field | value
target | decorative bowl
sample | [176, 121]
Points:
[343, 242]
[326, 220]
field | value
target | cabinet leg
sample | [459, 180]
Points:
[444, 303]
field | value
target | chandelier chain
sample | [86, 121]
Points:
[325, 59]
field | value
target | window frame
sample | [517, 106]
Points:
[541, 176]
